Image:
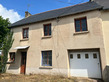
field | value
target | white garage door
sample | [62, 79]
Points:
[85, 64]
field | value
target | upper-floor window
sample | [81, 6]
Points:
[25, 33]
[81, 24]
[47, 29]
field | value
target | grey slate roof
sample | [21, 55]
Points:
[88, 6]
[104, 3]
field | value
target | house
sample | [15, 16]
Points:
[71, 41]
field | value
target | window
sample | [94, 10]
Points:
[95, 56]
[78, 56]
[12, 56]
[46, 58]
[81, 24]
[25, 33]
[47, 30]
[71, 56]
[86, 56]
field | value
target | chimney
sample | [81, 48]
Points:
[27, 14]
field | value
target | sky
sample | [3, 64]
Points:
[15, 9]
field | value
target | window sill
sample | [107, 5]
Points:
[83, 32]
[45, 67]
[44, 37]
[26, 39]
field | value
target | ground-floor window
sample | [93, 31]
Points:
[46, 58]
[12, 56]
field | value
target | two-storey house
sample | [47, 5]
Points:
[71, 41]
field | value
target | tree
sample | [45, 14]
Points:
[4, 23]
[5, 41]
[7, 44]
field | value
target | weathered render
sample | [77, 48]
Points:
[61, 42]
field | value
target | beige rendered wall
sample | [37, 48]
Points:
[105, 27]
[105, 19]
[63, 39]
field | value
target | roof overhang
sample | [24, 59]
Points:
[21, 47]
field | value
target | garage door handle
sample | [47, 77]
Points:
[98, 63]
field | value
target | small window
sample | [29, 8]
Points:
[46, 58]
[81, 24]
[94, 55]
[25, 33]
[78, 56]
[12, 57]
[86, 56]
[47, 30]
[71, 56]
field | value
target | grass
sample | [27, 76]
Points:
[40, 78]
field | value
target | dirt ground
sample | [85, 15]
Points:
[41, 78]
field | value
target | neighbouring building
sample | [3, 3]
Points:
[71, 41]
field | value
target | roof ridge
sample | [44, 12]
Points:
[59, 8]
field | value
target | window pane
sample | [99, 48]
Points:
[78, 56]
[25, 33]
[44, 62]
[44, 56]
[86, 56]
[71, 56]
[77, 24]
[50, 29]
[45, 30]
[83, 24]
[94, 55]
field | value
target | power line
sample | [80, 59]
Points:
[69, 2]
[64, 2]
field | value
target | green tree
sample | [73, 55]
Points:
[7, 44]
[4, 23]
[5, 41]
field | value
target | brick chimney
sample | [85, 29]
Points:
[27, 14]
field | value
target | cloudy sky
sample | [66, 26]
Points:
[11, 14]
[15, 9]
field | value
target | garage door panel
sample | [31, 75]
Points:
[85, 64]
